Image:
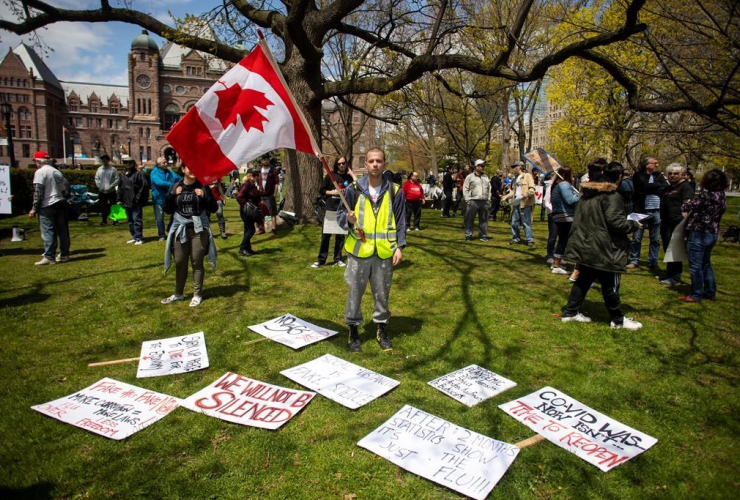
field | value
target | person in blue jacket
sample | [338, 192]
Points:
[162, 179]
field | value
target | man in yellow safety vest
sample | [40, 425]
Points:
[378, 212]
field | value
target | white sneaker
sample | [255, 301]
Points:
[197, 299]
[139, 242]
[44, 262]
[578, 318]
[316, 265]
[628, 324]
[559, 270]
[131, 241]
[340, 263]
[173, 298]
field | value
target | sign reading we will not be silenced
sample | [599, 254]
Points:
[291, 331]
[472, 384]
[173, 355]
[440, 451]
[588, 434]
[341, 381]
[244, 401]
[110, 408]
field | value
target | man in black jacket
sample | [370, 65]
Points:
[599, 243]
[133, 193]
[448, 184]
[649, 186]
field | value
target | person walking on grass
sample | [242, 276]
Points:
[344, 177]
[190, 237]
[133, 193]
[378, 210]
[477, 192]
[50, 191]
[599, 243]
[107, 180]
[414, 194]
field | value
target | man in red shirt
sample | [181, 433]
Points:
[414, 194]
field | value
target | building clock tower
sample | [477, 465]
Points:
[144, 113]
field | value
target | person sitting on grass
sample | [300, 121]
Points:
[599, 243]
[190, 237]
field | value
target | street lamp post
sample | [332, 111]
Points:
[7, 110]
[128, 151]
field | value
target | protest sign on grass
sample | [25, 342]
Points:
[472, 384]
[438, 450]
[173, 355]
[292, 331]
[244, 401]
[583, 431]
[341, 381]
[110, 408]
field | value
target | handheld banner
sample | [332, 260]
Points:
[244, 401]
[588, 434]
[472, 384]
[110, 408]
[341, 381]
[173, 355]
[5, 206]
[542, 160]
[435, 449]
[330, 224]
[291, 331]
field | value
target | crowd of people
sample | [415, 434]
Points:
[596, 222]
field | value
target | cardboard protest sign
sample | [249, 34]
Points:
[435, 449]
[331, 226]
[539, 192]
[291, 331]
[244, 401]
[472, 384]
[590, 435]
[542, 160]
[341, 381]
[173, 355]
[110, 408]
[676, 251]
[5, 206]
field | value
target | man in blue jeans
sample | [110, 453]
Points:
[649, 186]
[50, 190]
[162, 179]
[523, 200]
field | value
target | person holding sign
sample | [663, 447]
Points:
[600, 245]
[190, 237]
[343, 176]
[378, 212]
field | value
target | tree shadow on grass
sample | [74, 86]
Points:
[35, 491]
[33, 297]
[225, 290]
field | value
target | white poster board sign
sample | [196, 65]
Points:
[291, 331]
[542, 160]
[676, 251]
[348, 384]
[5, 206]
[472, 384]
[438, 450]
[330, 223]
[173, 355]
[583, 431]
[110, 408]
[539, 191]
[244, 401]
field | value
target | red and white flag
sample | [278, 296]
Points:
[249, 111]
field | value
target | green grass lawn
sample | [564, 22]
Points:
[453, 304]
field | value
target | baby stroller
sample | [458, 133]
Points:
[80, 202]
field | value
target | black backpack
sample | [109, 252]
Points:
[732, 234]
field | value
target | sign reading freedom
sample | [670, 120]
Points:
[291, 331]
[440, 451]
[110, 408]
[244, 401]
[472, 384]
[341, 381]
[173, 355]
[588, 434]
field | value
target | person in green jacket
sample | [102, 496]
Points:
[599, 243]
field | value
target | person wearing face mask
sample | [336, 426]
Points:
[343, 176]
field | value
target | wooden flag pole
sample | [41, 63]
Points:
[530, 441]
[114, 362]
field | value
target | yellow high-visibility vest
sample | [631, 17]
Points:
[379, 228]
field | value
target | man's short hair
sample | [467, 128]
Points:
[104, 157]
[375, 150]
[613, 171]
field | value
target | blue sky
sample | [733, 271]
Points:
[87, 52]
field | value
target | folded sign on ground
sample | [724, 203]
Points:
[440, 451]
[590, 435]
[292, 331]
[173, 355]
[244, 401]
[110, 408]
[341, 381]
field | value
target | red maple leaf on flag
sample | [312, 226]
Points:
[235, 101]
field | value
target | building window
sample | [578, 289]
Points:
[118, 125]
[89, 123]
[180, 89]
[25, 131]
[148, 152]
[78, 121]
[171, 115]
[110, 123]
[94, 108]
[113, 108]
[70, 123]
[149, 106]
[12, 131]
[73, 107]
[148, 132]
[166, 89]
[99, 122]
[355, 116]
[26, 150]
[138, 106]
[142, 57]
[141, 132]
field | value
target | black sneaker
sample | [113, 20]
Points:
[468, 238]
[382, 338]
[354, 339]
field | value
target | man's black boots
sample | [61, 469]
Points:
[354, 339]
[382, 338]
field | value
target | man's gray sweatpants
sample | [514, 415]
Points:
[358, 272]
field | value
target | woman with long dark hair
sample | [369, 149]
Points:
[563, 198]
[249, 201]
[702, 226]
[343, 176]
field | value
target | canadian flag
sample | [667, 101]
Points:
[248, 112]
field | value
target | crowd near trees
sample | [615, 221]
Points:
[449, 77]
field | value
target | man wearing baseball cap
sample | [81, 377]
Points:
[50, 190]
